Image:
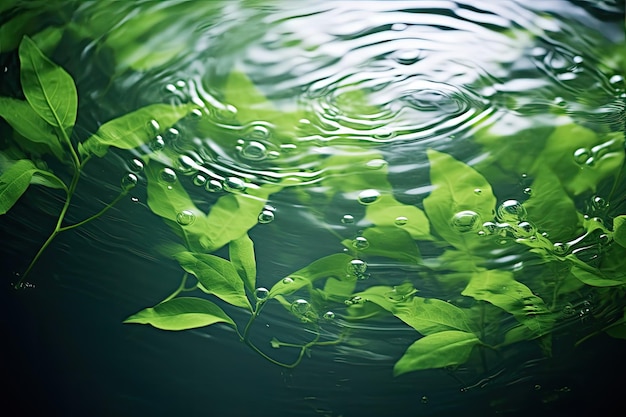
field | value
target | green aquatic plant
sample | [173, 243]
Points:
[461, 302]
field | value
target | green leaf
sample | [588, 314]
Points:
[596, 278]
[502, 290]
[49, 89]
[437, 350]
[618, 328]
[134, 129]
[455, 190]
[389, 242]
[217, 276]
[181, 314]
[335, 265]
[388, 210]
[426, 315]
[15, 180]
[21, 116]
[619, 230]
[241, 253]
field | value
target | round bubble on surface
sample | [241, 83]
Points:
[465, 221]
[511, 211]
[370, 196]
[185, 218]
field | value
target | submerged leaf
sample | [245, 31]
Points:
[181, 314]
[390, 212]
[241, 253]
[619, 230]
[49, 89]
[437, 350]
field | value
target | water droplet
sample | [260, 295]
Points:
[213, 186]
[234, 184]
[185, 218]
[401, 221]
[261, 294]
[424, 399]
[465, 221]
[489, 228]
[616, 79]
[196, 114]
[329, 315]
[358, 266]
[253, 151]
[226, 113]
[478, 191]
[199, 180]
[511, 211]
[525, 229]
[360, 242]
[129, 181]
[154, 125]
[172, 134]
[168, 175]
[157, 143]
[347, 219]
[266, 216]
[560, 249]
[569, 310]
[376, 163]
[368, 196]
[354, 300]
[186, 164]
[300, 307]
[599, 203]
[287, 280]
[136, 165]
[581, 155]
[528, 191]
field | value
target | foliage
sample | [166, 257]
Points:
[472, 303]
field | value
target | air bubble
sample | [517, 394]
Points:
[478, 191]
[253, 151]
[401, 221]
[213, 186]
[196, 113]
[172, 134]
[129, 181]
[511, 211]
[266, 216]
[360, 242]
[581, 155]
[261, 294]
[465, 221]
[136, 165]
[234, 184]
[525, 229]
[599, 203]
[347, 219]
[287, 280]
[616, 79]
[560, 249]
[199, 180]
[528, 191]
[300, 307]
[489, 228]
[226, 113]
[185, 218]
[154, 125]
[168, 175]
[187, 164]
[367, 197]
[329, 315]
[376, 164]
[354, 300]
[358, 266]
[157, 143]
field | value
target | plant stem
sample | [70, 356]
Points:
[98, 214]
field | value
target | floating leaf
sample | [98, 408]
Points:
[49, 89]
[181, 314]
[134, 129]
[217, 276]
[437, 350]
[241, 253]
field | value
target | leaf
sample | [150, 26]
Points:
[426, 315]
[15, 180]
[455, 191]
[49, 89]
[181, 314]
[502, 290]
[618, 328]
[437, 350]
[595, 279]
[387, 210]
[21, 116]
[388, 242]
[241, 253]
[335, 265]
[619, 230]
[217, 276]
[134, 129]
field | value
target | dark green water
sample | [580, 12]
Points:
[334, 94]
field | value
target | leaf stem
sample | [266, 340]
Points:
[98, 214]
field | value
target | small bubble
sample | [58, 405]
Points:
[401, 221]
[154, 125]
[136, 165]
[134, 199]
[581, 155]
[181, 83]
[213, 186]
[226, 113]
[528, 191]
[234, 184]
[367, 197]
[568, 310]
[196, 114]
[354, 300]
[358, 266]
[590, 162]
[616, 79]
[424, 399]
[511, 211]
[288, 147]
[172, 134]
[360, 242]
[329, 315]
[599, 203]
[168, 175]
[347, 219]
[300, 307]
[478, 191]
[129, 181]
[376, 163]
[560, 249]
[261, 294]
[465, 221]
[157, 143]
[185, 218]
[489, 228]
[187, 164]
[266, 216]
[287, 280]
[253, 151]
[199, 180]
[537, 387]
[525, 229]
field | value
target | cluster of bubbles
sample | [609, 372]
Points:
[589, 156]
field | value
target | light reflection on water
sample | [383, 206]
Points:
[388, 79]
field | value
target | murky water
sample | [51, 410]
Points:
[344, 110]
